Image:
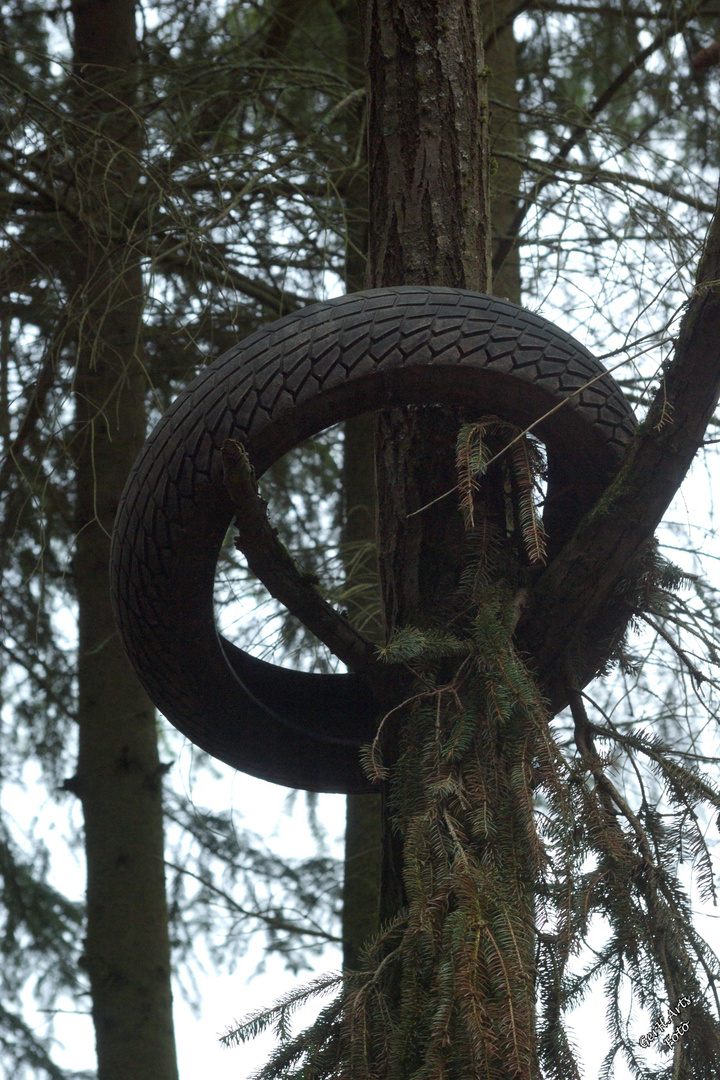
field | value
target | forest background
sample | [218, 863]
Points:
[224, 187]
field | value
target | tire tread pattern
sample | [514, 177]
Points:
[277, 387]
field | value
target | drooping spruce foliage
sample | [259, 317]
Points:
[253, 126]
[512, 846]
[522, 468]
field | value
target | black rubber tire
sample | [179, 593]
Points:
[283, 384]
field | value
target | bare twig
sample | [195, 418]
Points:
[695, 674]
[578, 132]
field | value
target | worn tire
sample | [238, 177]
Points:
[280, 386]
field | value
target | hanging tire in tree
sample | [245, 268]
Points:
[282, 385]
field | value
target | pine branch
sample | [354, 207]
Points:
[525, 473]
[695, 674]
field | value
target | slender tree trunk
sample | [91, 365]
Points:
[127, 953]
[429, 225]
[363, 830]
[501, 58]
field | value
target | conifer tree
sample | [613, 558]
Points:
[469, 882]
[84, 209]
[602, 90]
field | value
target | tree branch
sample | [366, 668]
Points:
[279, 302]
[591, 173]
[625, 11]
[673, 28]
[36, 401]
[695, 673]
[272, 563]
[271, 919]
[570, 617]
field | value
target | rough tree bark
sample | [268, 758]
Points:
[429, 224]
[362, 870]
[118, 779]
[506, 171]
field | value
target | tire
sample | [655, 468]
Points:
[282, 385]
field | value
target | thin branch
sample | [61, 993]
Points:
[273, 922]
[571, 601]
[522, 434]
[590, 173]
[578, 132]
[44, 683]
[272, 563]
[623, 11]
[40, 390]
[277, 300]
[695, 673]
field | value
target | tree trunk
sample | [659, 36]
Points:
[506, 173]
[429, 225]
[501, 58]
[118, 780]
[363, 831]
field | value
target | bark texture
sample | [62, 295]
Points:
[506, 171]
[429, 159]
[118, 780]
[429, 225]
[429, 166]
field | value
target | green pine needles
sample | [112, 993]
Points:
[511, 846]
[478, 445]
[461, 795]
